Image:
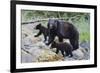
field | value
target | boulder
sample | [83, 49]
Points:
[26, 57]
[39, 55]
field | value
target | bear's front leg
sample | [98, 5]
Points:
[62, 53]
[45, 38]
[50, 40]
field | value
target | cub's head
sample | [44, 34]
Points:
[38, 26]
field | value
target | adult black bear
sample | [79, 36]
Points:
[63, 30]
[65, 48]
[42, 30]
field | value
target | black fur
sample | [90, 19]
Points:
[65, 48]
[42, 30]
[63, 30]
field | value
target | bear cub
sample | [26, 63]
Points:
[64, 47]
[42, 30]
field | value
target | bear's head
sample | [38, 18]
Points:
[38, 26]
[52, 23]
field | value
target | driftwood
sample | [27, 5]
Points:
[26, 51]
[39, 20]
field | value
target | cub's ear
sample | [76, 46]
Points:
[39, 24]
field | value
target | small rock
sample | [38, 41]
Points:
[26, 58]
[78, 54]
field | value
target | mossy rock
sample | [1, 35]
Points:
[49, 56]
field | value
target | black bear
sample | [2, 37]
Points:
[64, 47]
[42, 30]
[63, 30]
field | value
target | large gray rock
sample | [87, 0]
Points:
[35, 50]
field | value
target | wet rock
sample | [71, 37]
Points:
[26, 58]
[69, 59]
[35, 50]
[41, 45]
[85, 44]
[39, 55]
[78, 54]
[30, 42]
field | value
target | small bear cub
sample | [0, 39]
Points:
[64, 47]
[42, 30]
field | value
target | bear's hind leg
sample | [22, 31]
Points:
[74, 43]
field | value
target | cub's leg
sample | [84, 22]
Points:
[57, 51]
[38, 34]
[71, 55]
[60, 39]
